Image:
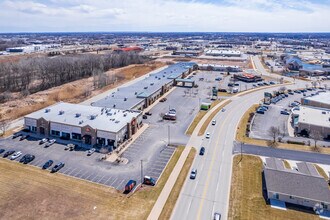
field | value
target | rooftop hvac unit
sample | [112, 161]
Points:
[125, 114]
[47, 110]
[61, 112]
[116, 122]
[80, 122]
[78, 115]
[92, 117]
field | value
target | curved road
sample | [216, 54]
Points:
[209, 192]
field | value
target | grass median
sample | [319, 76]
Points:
[173, 197]
[246, 199]
[41, 195]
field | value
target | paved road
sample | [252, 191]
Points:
[282, 153]
[209, 192]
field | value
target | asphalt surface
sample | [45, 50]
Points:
[282, 153]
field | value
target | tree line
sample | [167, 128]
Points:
[30, 75]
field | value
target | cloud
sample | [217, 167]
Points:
[166, 15]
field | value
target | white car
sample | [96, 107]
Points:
[207, 135]
[50, 142]
[16, 155]
[214, 122]
[91, 151]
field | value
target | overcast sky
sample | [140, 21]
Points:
[165, 15]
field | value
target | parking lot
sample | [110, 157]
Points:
[273, 117]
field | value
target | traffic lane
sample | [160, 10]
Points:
[283, 153]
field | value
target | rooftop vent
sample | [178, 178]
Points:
[78, 115]
[151, 84]
[61, 112]
[135, 93]
[116, 122]
[146, 87]
[114, 105]
[47, 110]
[125, 99]
[323, 113]
[80, 122]
[125, 114]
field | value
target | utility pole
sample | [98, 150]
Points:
[141, 172]
[168, 135]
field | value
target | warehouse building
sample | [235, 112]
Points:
[303, 187]
[217, 67]
[308, 118]
[87, 124]
[322, 100]
[142, 94]
[224, 53]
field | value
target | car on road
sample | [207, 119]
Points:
[57, 167]
[202, 151]
[283, 112]
[8, 153]
[193, 174]
[144, 117]
[16, 155]
[148, 113]
[50, 142]
[217, 216]
[2, 150]
[91, 151]
[272, 83]
[27, 158]
[223, 110]
[207, 135]
[47, 164]
[23, 137]
[44, 140]
[16, 135]
[261, 111]
[214, 122]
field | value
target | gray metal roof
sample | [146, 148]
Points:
[145, 87]
[77, 115]
[308, 169]
[297, 185]
[322, 97]
[274, 163]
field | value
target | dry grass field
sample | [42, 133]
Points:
[31, 193]
[246, 199]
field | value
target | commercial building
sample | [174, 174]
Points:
[217, 67]
[308, 118]
[143, 93]
[88, 124]
[322, 100]
[224, 53]
[187, 53]
[303, 187]
[247, 77]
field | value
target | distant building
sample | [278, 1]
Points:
[129, 49]
[322, 100]
[247, 77]
[187, 53]
[224, 53]
[303, 187]
[216, 67]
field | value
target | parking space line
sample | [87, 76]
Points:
[113, 182]
[66, 170]
[94, 178]
[78, 172]
[72, 171]
[120, 184]
[87, 177]
[106, 182]
[82, 174]
[100, 179]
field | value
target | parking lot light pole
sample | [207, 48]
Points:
[141, 172]
[168, 135]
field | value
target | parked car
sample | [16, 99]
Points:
[50, 142]
[70, 147]
[202, 151]
[223, 110]
[44, 140]
[8, 153]
[2, 150]
[16, 135]
[283, 112]
[217, 216]
[144, 117]
[214, 122]
[218, 79]
[147, 180]
[272, 83]
[91, 151]
[47, 164]
[260, 111]
[23, 137]
[193, 174]
[163, 99]
[57, 167]
[16, 155]
[27, 158]
[129, 186]
[148, 113]
[207, 135]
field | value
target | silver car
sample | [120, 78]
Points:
[16, 155]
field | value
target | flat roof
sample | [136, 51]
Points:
[136, 93]
[106, 119]
[313, 115]
[223, 52]
[322, 97]
[297, 185]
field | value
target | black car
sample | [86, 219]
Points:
[144, 117]
[202, 151]
[47, 164]
[57, 167]
[23, 137]
[17, 135]
[8, 153]
[2, 150]
[27, 158]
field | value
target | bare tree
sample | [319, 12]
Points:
[4, 125]
[282, 89]
[314, 83]
[274, 132]
[315, 136]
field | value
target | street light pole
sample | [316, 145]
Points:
[168, 135]
[141, 172]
